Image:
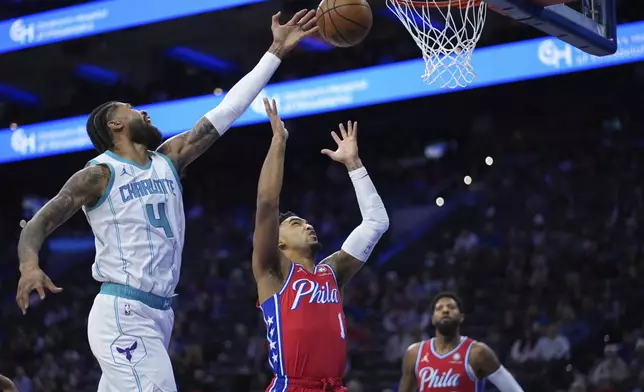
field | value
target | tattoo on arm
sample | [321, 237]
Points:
[83, 188]
[188, 146]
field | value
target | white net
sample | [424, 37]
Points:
[446, 32]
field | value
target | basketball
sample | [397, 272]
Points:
[344, 23]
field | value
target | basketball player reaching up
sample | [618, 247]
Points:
[131, 196]
[301, 302]
[451, 362]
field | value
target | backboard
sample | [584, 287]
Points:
[590, 25]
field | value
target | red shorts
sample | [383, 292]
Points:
[301, 384]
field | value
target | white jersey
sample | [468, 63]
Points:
[139, 224]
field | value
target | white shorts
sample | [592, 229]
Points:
[130, 341]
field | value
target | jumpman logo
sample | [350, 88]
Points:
[127, 351]
[124, 172]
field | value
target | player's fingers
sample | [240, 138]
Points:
[310, 23]
[354, 132]
[336, 137]
[20, 302]
[343, 131]
[52, 287]
[41, 291]
[311, 32]
[267, 106]
[327, 152]
[296, 18]
[306, 19]
[276, 19]
[275, 108]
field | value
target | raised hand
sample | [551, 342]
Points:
[276, 122]
[287, 36]
[33, 278]
[347, 151]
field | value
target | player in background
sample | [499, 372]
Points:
[6, 385]
[451, 362]
[132, 198]
[301, 301]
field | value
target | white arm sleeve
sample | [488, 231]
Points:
[243, 93]
[375, 221]
[503, 380]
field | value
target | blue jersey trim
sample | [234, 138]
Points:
[107, 190]
[127, 292]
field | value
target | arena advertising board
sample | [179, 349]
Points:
[99, 17]
[339, 91]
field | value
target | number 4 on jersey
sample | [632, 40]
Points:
[161, 221]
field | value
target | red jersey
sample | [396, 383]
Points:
[449, 372]
[306, 333]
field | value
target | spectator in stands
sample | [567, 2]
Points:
[552, 346]
[466, 241]
[573, 329]
[612, 370]
[523, 349]
[639, 386]
[637, 363]
[23, 383]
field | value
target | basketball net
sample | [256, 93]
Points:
[446, 32]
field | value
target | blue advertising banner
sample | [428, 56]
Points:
[99, 17]
[362, 87]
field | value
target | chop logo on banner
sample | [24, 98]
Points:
[23, 143]
[22, 32]
[552, 55]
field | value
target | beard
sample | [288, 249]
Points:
[315, 247]
[447, 327]
[146, 134]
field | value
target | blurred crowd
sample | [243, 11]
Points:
[545, 251]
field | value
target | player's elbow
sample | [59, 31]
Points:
[377, 218]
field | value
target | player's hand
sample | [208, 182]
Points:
[303, 24]
[33, 278]
[347, 151]
[6, 385]
[276, 122]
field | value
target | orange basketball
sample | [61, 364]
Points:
[344, 23]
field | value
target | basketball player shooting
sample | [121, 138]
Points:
[132, 198]
[451, 362]
[301, 302]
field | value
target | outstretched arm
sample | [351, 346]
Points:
[83, 188]
[358, 246]
[408, 379]
[266, 255]
[186, 147]
[485, 364]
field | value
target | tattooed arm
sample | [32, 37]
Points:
[185, 148]
[83, 188]
[188, 146]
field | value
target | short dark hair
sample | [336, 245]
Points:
[285, 215]
[447, 294]
[97, 129]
